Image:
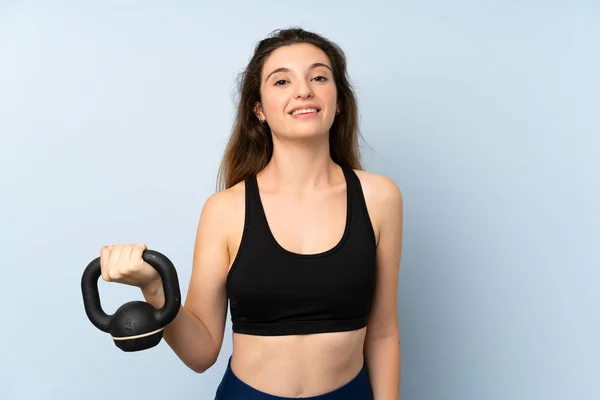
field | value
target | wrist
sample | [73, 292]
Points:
[153, 293]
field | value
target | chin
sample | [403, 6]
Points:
[306, 133]
[307, 130]
[301, 131]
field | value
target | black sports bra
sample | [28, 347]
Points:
[273, 291]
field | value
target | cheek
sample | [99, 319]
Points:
[274, 103]
[330, 94]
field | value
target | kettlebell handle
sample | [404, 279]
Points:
[170, 281]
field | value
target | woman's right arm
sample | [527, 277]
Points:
[196, 333]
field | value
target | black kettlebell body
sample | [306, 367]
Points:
[135, 325]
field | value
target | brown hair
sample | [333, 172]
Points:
[250, 145]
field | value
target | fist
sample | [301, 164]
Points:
[123, 263]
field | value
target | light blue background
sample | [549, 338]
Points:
[113, 119]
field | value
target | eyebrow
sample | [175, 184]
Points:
[283, 69]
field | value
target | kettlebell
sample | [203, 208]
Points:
[135, 325]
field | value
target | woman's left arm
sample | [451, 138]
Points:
[382, 344]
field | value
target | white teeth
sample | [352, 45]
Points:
[305, 111]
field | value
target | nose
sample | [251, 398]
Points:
[303, 89]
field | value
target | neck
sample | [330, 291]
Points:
[301, 164]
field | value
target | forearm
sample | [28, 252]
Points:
[383, 362]
[186, 335]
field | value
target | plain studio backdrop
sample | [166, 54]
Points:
[114, 116]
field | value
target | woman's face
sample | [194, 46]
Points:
[298, 94]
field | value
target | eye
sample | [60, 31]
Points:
[321, 78]
[280, 82]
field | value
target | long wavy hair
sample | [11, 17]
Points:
[250, 146]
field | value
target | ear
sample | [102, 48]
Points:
[257, 109]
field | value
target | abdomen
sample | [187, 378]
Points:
[298, 365]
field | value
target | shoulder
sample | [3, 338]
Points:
[221, 200]
[384, 202]
[221, 206]
[379, 189]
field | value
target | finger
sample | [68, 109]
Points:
[113, 271]
[137, 253]
[125, 257]
[124, 263]
[104, 262]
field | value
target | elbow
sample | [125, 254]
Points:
[203, 366]
[199, 369]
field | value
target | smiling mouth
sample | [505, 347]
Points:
[304, 111]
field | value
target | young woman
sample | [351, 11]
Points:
[304, 244]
